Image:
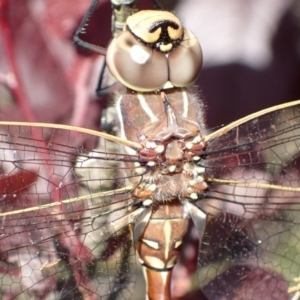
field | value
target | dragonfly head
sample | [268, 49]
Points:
[154, 52]
[159, 30]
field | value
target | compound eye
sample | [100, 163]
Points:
[155, 53]
[138, 67]
[185, 61]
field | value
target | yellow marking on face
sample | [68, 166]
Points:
[165, 48]
[143, 23]
[174, 34]
[151, 37]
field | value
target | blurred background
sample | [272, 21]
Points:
[251, 54]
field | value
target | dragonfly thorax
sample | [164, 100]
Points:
[187, 181]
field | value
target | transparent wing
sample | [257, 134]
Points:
[66, 215]
[252, 237]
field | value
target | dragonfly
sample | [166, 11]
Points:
[81, 208]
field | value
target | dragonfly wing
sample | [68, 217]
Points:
[66, 215]
[253, 201]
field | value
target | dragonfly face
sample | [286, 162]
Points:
[131, 59]
[74, 213]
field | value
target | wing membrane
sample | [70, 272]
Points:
[253, 204]
[81, 215]
[65, 209]
[251, 162]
